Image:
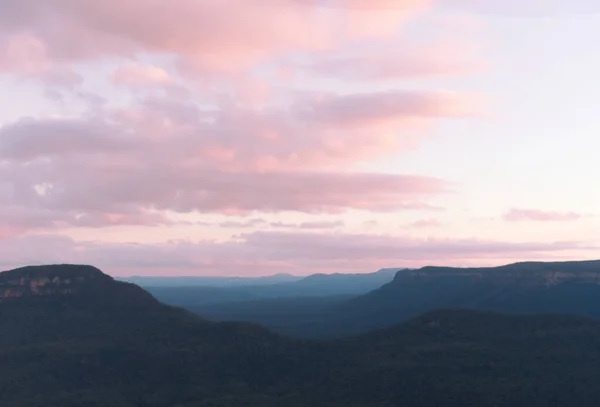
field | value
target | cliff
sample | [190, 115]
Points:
[528, 273]
[83, 283]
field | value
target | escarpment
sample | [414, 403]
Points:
[65, 282]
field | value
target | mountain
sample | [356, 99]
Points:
[209, 281]
[343, 284]
[316, 285]
[71, 336]
[86, 284]
[528, 288]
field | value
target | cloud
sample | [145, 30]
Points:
[80, 187]
[258, 223]
[320, 131]
[426, 223]
[520, 215]
[397, 60]
[250, 223]
[24, 53]
[19, 220]
[270, 252]
[309, 225]
[27, 55]
[229, 37]
[75, 29]
[322, 225]
[36, 38]
[141, 75]
[529, 8]
[168, 153]
[369, 109]
[196, 124]
[29, 139]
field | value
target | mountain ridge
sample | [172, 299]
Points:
[70, 282]
[74, 353]
[526, 287]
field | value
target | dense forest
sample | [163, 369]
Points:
[72, 336]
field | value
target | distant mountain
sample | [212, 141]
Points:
[527, 288]
[209, 281]
[316, 285]
[71, 336]
[338, 283]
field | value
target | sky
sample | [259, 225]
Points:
[222, 137]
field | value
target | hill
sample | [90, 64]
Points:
[316, 285]
[70, 338]
[525, 288]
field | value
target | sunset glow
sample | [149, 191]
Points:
[297, 136]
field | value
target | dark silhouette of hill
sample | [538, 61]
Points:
[316, 285]
[74, 283]
[68, 338]
[527, 288]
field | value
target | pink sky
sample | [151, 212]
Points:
[297, 136]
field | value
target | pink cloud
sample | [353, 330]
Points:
[141, 75]
[271, 252]
[530, 8]
[250, 223]
[378, 18]
[24, 53]
[426, 223]
[322, 225]
[30, 139]
[18, 220]
[81, 186]
[258, 223]
[116, 27]
[396, 60]
[386, 107]
[517, 215]
[7, 231]
[228, 38]
[231, 38]
[206, 131]
[168, 154]
[28, 55]
[331, 131]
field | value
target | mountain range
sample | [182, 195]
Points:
[73, 336]
[522, 288]
[209, 281]
[204, 290]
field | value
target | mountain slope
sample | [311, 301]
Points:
[108, 339]
[529, 288]
[87, 347]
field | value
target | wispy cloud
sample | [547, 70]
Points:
[271, 252]
[536, 215]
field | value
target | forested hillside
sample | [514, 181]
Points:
[72, 337]
[520, 288]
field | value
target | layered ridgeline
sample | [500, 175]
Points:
[525, 288]
[71, 336]
[194, 291]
